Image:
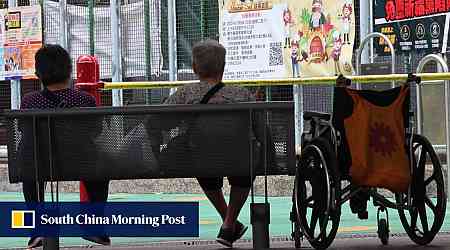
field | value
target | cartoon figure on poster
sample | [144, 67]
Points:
[336, 51]
[295, 58]
[317, 18]
[318, 25]
[302, 47]
[287, 21]
[347, 10]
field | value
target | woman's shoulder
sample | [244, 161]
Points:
[80, 96]
[32, 95]
[186, 94]
[32, 99]
[238, 93]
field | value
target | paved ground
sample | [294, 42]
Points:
[366, 242]
[210, 222]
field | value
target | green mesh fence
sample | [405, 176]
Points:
[137, 52]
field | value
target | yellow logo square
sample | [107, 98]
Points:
[22, 219]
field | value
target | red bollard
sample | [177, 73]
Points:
[88, 76]
[88, 80]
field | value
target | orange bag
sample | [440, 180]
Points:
[376, 139]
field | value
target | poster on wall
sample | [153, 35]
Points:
[21, 37]
[412, 25]
[286, 38]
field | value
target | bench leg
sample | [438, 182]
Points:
[51, 243]
[260, 218]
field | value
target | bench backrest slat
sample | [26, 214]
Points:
[150, 144]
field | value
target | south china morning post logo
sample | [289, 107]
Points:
[116, 219]
[23, 219]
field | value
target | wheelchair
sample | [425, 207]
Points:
[323, 182]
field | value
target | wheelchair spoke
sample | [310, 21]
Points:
[323, 228]
[422, 158]
[430, 204]
[429, 180]
[414, 214]
[314, 217]
[423, 219]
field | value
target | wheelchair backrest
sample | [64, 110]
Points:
[343, 103]
[344, 107]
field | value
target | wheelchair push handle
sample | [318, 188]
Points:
[342, 81]
[412, 78]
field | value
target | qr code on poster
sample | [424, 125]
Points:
[275, 54]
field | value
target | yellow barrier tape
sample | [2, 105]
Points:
[325, 80]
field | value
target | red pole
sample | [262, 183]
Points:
[88, 74]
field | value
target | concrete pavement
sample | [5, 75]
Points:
[347, 242]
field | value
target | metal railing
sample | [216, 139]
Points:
[442, 66]
[324, 80]
[363, 43]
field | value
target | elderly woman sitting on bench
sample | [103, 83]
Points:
[208, 63]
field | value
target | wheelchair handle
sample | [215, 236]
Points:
[412, 78]
[342, 81]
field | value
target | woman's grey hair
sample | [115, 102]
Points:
[208, 58]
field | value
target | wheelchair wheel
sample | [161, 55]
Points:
[424, 219]
[317, 193]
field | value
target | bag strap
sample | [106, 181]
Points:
[56, 101]
[211, 92]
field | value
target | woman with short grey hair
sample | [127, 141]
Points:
[208, 63]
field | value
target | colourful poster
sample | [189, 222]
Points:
[21, 38]
[287, 38]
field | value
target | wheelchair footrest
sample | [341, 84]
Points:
[358, 204]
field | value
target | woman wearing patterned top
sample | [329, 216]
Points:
[208, 64]
[54, 68]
